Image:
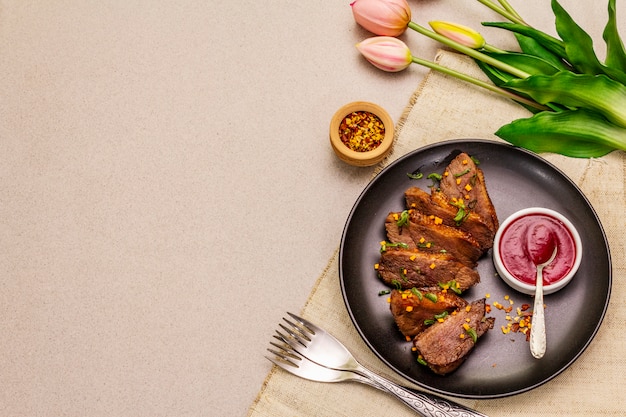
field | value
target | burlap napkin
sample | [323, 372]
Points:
[445, 108]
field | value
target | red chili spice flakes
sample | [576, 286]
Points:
[520, 323]
[361, 131]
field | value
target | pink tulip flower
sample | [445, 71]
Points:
[385, 52]
[462, 34]
[382, 17]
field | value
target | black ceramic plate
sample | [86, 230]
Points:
[501, 364]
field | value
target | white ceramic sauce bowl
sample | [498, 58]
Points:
[498, 254]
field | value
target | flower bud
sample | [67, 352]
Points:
[382, 17]
[462, 34]
[385, 52]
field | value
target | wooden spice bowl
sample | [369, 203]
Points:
[364, 158]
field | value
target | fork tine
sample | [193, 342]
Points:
[285, 353]
[285, 339]
[286, 350]
[300, 328]
[293, 336]
[285, 356]
[279, 336]
[307, 325]
[285, 364]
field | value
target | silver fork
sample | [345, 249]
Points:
[321, 347]
[291, 361]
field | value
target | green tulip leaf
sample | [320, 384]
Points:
[527, 63]
[615, 53]
[501, 78]
[497, 76]
[530, 46]
[575, 133]
[579, 46]
[550, 43]
[594, 92]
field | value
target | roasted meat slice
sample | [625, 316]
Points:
[464, 182]
[410, 268]
[397, 232]
[429, 235]
[414, 309]
[437, 204]
[445, 345]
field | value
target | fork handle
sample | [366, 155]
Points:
[426, 404]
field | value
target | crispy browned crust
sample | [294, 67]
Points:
[424, 232]
[464, 181]
[414, 268]
[412, 311]
[438, 204]
[445, 346]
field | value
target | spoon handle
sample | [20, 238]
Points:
[538, 326]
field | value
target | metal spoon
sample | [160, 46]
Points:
[541, 242]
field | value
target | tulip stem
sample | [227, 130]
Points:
[506, 12]
[469, 51]
[480, 83]
[510, 9]
[491, 48]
